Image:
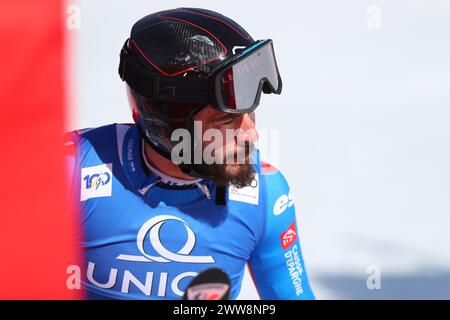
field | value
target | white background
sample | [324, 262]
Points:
[364, 127]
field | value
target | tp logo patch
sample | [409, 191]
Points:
[96, 182]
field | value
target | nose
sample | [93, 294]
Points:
[247, 128]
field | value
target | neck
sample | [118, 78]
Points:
[163, 164]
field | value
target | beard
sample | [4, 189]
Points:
[238, 174]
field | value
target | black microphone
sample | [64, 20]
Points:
[210, 284]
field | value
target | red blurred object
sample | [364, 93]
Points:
[36, 234]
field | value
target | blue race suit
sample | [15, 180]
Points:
[143, 239]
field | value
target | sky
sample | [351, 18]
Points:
[362, 120]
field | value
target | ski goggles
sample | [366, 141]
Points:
[234, 86]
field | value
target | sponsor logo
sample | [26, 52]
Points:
[130, 157]
[248, 64]
[126, 280]
[209, 291]
[96, 182]
[152, 283]
[152, 228]
[292, 257]
[249, 194]
[295, 268]
[282, 203]
[289, 236]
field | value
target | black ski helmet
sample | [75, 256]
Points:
[178, 42]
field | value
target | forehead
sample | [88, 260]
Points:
[209, 113]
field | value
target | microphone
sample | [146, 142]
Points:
[210, 284]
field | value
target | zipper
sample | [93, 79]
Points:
[205, 190]
[143, 191]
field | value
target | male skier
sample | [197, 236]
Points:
[160, 200]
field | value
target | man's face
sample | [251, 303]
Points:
[238, 135]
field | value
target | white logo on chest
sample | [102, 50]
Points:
[152, 227]
[248, 194]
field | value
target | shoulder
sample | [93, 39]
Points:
[97, 136]
[278, 193]
[102, 131]
[273, 177]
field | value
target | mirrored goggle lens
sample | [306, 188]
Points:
[241, 83]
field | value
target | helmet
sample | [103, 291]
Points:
[177, 61]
